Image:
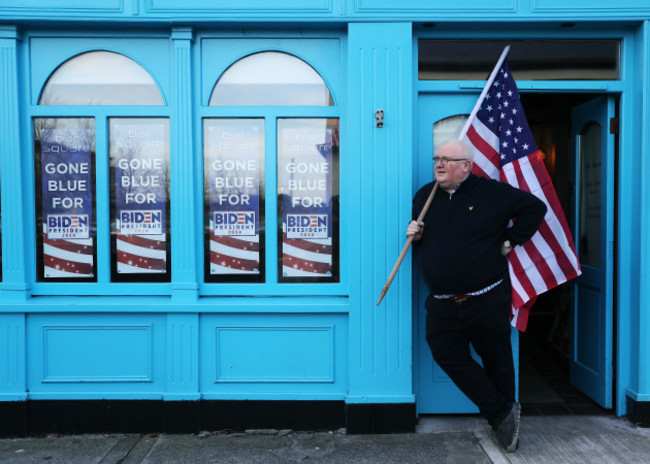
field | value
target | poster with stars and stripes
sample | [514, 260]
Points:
[67, 203]
[306, 173]
[139, 157]
[234, 149]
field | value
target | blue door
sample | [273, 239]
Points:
[591, 348]
[440, 118]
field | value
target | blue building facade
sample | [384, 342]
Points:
[201, 202]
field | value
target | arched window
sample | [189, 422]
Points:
[71, 228]
[304, 224]
[270, 79]
[100, 78]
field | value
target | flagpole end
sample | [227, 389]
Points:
[381, 297]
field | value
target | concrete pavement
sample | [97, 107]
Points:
[439, 439]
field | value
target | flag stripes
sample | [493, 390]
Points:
[234, 255]
[306, 257]
[504, 149]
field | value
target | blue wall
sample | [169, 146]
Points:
[189, 340]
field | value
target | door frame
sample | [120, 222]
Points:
[527, 86]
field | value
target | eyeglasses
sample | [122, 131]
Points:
[444, 160]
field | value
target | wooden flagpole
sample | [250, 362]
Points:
[407, 245]
[425, 209]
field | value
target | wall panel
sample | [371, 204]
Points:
[297, 356]
[100, 355]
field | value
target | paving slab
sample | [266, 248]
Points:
[438, 439]
[55, 449]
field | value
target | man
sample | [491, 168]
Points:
[463, 243]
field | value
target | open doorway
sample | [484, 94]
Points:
[546, 383]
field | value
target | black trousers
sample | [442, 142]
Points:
[483, 321]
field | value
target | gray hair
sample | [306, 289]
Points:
[462, 148]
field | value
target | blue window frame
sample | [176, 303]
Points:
[101, 157]
[284, 99]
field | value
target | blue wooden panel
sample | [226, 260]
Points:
[435, 5]
[87, 353]
[12, 357]
[182, 183]
[96, 354]
[182, 357]
[274, 354]
[226, 5]
[589, 329]
[296, 356]
[15, 267]
[85, 5]
[640, 334]
[380, 64]
[592, 320]
[588, 6]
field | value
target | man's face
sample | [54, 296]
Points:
[452, 173]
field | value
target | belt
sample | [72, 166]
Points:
[457, 298]
[466, 296]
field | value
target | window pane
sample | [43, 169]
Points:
[100, 78]
[447, 129]
[590, 194]
[139, 162]
[233, 154]
[270, 79]
[64, 151]
[528, 59]
[308, 202]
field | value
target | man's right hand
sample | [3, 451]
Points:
[415, 229]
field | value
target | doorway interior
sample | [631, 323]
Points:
[545, 386]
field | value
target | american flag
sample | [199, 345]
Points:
[504, 149]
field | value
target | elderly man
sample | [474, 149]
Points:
[463, 243]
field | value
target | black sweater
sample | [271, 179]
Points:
[460, 250]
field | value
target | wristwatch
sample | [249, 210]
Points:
[507, 244]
